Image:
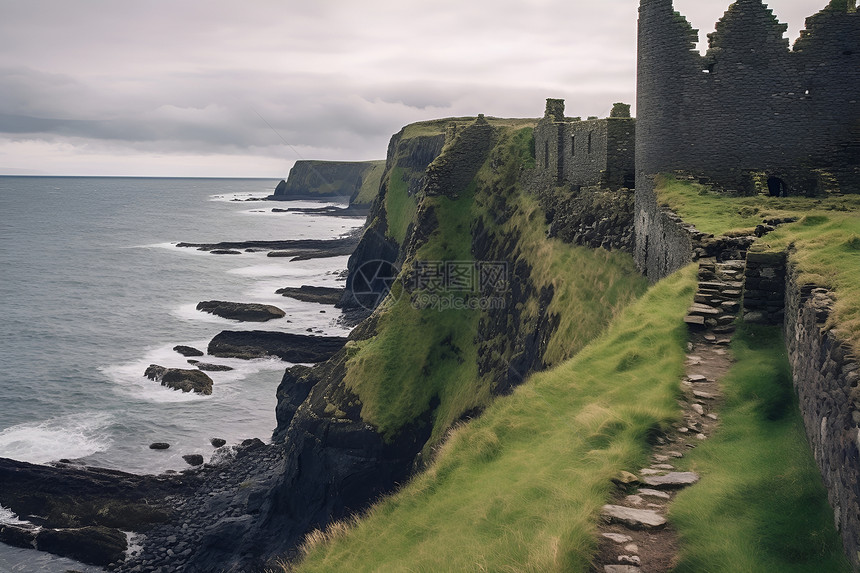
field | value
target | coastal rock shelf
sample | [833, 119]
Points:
[295, 249]
[245, 312]
[248, 344]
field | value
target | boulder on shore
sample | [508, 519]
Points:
[248, 344]
[179, 379]
[246, 312]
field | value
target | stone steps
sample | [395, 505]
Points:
[718, 296]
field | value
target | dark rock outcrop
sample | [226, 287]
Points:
[246, 312]
[73, 496]
[297, 249]
[187, 351]
[218, 442]
[159, 446]
[93, 545]
[307, 293]
[207, 367]
[247, 344]
[193, 459]
[179, 379]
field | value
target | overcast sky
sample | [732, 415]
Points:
[229, 88]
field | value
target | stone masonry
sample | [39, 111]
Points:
[594, 152]
[751, 108]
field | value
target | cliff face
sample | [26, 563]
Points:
[355, 181]
[471, 308]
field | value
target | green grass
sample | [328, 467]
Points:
[370, 184]
[720, 213]
[824, 244]
[422, 353]
[519, 489]
[760, 505]
[400, 207]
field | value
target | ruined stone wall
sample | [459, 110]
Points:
[764, 288]
[596, 152]
[826, 376]
[750, 105]
[662, 242]
[585, 145]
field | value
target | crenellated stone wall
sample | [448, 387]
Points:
[751, 108]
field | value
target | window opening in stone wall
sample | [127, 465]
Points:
[573, 145]
[776, 187]
[546, 154]
[589, 141]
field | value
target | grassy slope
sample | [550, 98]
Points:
[519, 489]
[370, 184]
[761, 505]
[826, 242]
[400, 207]
[422, 354]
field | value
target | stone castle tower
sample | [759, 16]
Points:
[751, 107]
[748, 115]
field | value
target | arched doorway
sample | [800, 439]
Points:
[776, 187]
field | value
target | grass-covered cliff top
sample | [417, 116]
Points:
[423, 355]
[824, 243]
[438, 126]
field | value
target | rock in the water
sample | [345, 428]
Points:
[95, 545]
[187, 350]
[249, 344]
[213, 367]
[193, 459]
[671, 480]
[159, 446]
[633, 518]
[217, 442]
[224, 252]
[246, 312]
[179, 379]
[306, 293]
[18, 535]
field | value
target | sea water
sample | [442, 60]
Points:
[93, 289]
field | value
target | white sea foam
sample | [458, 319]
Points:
[8, 517]
[129, 378]
[189, 312]
[73, 436]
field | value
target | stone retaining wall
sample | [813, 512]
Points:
[764, 288]
[826, 376]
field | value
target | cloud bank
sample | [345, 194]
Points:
[222, 89]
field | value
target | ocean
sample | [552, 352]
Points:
[93, 289]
